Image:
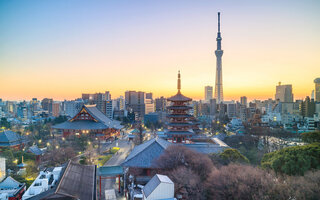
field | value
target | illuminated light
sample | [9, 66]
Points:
[29, 178]
[63, 139]
[79, 152]
[48, 144]
[40, 141]
[77, 134]
[57, 147]
[89, 142]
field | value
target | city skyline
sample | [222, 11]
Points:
[49, 52]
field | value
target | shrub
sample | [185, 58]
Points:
[293, 160]
[229, 156]
[311, 137]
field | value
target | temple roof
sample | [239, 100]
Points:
[177, 115]
[81, 125]
[146, 153]
[179, 97]
[188, 132]
[10, 138]
[10, 183]
[101, 121]
[76, 182]
[35, 150]
[179, 107]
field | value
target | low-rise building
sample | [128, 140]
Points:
[70, 181]
[11, 189]
[159, 187]
[11, 139]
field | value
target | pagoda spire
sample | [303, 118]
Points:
[179, 82]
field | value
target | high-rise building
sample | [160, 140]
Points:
[284, 93]
[120, 103]
[231, 110]
[47, 104]
[307, 108]
[161, 104]
[100, 101]
[87, 97]
[213, 107]
[218, 93]
[56, 109]
[135, 101]
[149, 106]
[208, 93]
[107, 95]
[149, 95]
[317, 90]
[110, 107]
[71, 108]
[243, 101]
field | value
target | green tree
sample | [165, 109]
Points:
[311, 137]
[293, 160]
[233, 155]
[4, 123]
[228, 156]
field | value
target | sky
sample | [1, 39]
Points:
[63, 48]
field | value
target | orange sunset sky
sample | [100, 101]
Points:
[60, 49]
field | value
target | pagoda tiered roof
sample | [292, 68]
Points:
[180, 124]
[179, 107]
[185, 132]
[179, 97]
[178, 116]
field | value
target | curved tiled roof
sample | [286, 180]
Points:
[179, 107]
[102, 121]
[179, 97]
[81, 125]
[10, 138]
[144, 154]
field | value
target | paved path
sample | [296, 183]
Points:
[116, 159]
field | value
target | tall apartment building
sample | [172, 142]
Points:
[56, 108]
[135, 101]
[213, 107]
[284, 93]
[317, 90]
[46, 104]
[110, 107]
[149, 95]
[161, 104]
[71, 108]
[208, 93]
[100, 101]
[307, 107]
[244, 101]
[120, 103]
[149, 106]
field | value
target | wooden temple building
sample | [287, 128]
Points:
[90, 120]
[10, 139]
[180, 124]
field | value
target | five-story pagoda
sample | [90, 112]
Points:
[179, 124]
